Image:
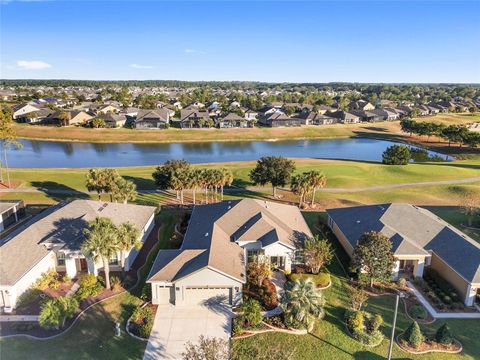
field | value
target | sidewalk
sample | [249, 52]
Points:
[16, 318]
[440, 315]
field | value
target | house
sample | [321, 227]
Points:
[251, 115]
[104, 108]
[221, 238]
[113, 120]
[279, 119]
[152, 119]
[423, 110]
[322, 109]
[193, 117]
[10, 213]
[344, 117]
[369, 116]
[232, 120]
[53, 240]
[315, 118]
[34, 117]
[76, 117]
[362, 105]
[419, 239]
[21, 110]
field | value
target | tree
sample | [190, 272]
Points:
[443, 335]
[227, 179]
[128, 238]
[414, 335]
[124, 190]
[8, 138]
[317, 253]
[206, 349]
[56, 311]
[302, 304]
[407, 125]
[98, 123]
[174, 175]
[471, 206]
[373, 256]
[101, 241]
[357, 297]
[396, 155]
[258, 269]
[64, 118]
[102, 181]
[195, 182]
[300, 186]
[316, 180]
[274, 170]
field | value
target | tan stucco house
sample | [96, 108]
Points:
[219, 241]
[419, 238]
[53, 240]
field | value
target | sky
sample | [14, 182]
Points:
[314, 41]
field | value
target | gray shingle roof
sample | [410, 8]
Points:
[413, 231]
[61, 226]
[213, 232]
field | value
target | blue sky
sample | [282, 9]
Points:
[324, 41]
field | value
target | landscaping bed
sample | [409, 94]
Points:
[417, 311]
[364, 327]
[140, 323]
[322, 280]
[429, 345]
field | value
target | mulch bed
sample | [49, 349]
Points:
[34, 307]
[411, 301]
[429, 346]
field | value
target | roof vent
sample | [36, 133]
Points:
[206, 234]
[229, 207]
[358, 221]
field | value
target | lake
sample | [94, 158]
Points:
[51, 154]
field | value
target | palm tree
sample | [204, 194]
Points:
[101, 243]
[8, 138]
[95, 181]
[316, 180]
[128, 238]
[227, 179]
[302, 304]
[124, 190]
[195, 177]
[64, 118]
[300, 186]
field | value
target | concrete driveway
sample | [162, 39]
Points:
[176, 325]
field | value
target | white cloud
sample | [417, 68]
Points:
[193, 51]
[33, 64]
[138, 66]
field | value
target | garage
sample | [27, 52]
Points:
[211, 294]
[164, 295]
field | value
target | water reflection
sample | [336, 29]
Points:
[60, 154]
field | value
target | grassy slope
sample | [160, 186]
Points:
[177, 135]
[92, 337]
[329, 340]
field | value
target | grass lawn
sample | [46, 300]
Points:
[92, 337]
[329, 340]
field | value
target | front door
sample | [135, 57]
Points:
[83, 265]
[277, 262]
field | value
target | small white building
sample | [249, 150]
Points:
[53, 240]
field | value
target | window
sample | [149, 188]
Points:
[254, 253]
[113, 260]
[61, 259]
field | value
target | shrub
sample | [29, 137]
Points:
[414, 335]
[46, 280]
[447, 299]
[375, 323]
[145, 330]
[66, 279]
[269, 297]
[251, 313]
[55, 311]
[321, 280]
[402, 282]
[146, 293]
[115, 283]
[396, 155]
[443, 335]
[142, 318]
[89, 286]
[418, 312]
[236, 328]
[355, 321]
[371, 339]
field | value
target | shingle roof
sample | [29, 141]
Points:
[213, 232]
[61, 226]
[413, 231]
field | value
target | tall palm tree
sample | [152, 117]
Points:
[227, 179]
[300, 186]
[195, 181]
[124, 190]
[101, 242]
[64, 118]
[128, 238]
[302, 304]
[8, 138]
[316, 180]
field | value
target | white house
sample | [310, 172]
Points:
[53, 239]
[220, 239]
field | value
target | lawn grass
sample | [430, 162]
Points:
[92, 337]
[329, 340]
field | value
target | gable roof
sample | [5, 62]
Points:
[214, 230]
[413, 231]
[161, 114]
[60, 226]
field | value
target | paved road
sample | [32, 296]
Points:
[234, 190]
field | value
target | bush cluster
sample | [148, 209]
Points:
[265, 294]
[49, 279]
[321, 280]
[141, 321]
[365, 327]
[417, 311]
[90, 285]
[440, 291]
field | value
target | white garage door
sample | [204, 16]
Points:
[203, 295]
[164, 295]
